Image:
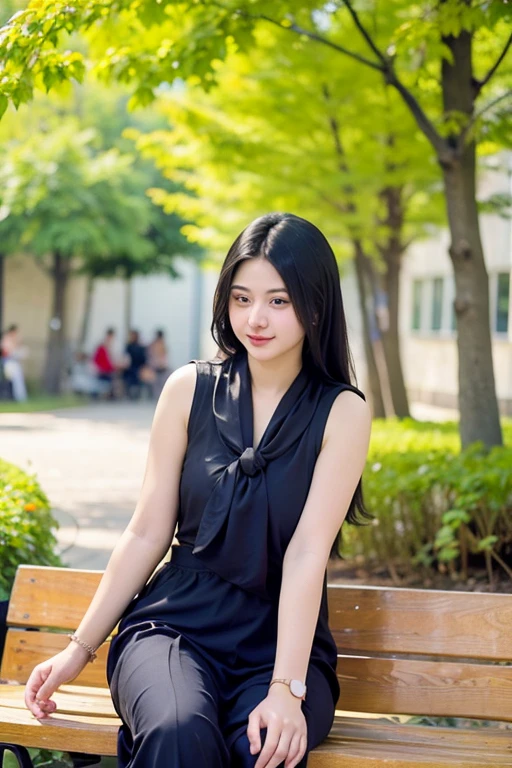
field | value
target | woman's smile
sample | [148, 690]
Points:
[259, 341]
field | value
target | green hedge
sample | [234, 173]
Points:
[26, 525]
[434, 506]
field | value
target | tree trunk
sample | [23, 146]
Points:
[379, 411]
[388, 319]
[2, 273]
[56, 348]
[479, 414]
[89, 290]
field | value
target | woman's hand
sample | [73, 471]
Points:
[281, 714]
[47, 676]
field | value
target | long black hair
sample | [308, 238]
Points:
[306, 262]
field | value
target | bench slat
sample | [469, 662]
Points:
[411, 687]
[372, 619]
[24, 649]
[51, 597]
[70, 700]
[363, 619]
[493, 740]
[75, 733]
[353, 743]
[359, 743]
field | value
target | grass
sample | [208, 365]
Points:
[410, 436]
[41, 403]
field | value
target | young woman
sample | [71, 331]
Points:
[224, 659]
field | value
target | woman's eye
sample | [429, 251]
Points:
[280, 302]
[241, 299]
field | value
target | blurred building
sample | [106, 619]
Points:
[427, 317]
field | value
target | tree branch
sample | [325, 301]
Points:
[383, 59]
[479, 84]
[465, 133]
[444, 152]
[312, 36]
[425, 125]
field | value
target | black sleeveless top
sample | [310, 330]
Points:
[239, 506]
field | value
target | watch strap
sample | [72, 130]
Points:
[288, 682]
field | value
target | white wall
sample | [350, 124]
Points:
[430, 357]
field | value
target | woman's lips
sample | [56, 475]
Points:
[259, 341]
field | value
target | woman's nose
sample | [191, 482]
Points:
[257, 317]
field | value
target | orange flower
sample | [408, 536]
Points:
[31, 507]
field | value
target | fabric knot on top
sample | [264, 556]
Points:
[252, 462]
[233, 534]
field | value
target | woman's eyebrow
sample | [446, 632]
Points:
[248, 290]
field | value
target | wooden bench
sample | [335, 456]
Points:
[402, 652]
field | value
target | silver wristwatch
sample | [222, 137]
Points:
[297, 688]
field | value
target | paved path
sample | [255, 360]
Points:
[90, 462]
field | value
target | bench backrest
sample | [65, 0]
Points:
[401, 651]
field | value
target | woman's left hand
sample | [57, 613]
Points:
[281, 714]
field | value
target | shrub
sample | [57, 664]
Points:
[26, 525]
[434, 507]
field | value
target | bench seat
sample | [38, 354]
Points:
[86, 714]
[401, 652]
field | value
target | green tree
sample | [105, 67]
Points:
[74, 212]
[443, 58]
[291, 141]
[100, 115]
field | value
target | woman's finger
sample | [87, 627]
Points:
[282, 749]
[48, 687]
[254, 733]
[272, 739]
[303, 746]
[31, 690]
[294, 751]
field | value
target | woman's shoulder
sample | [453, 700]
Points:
[191, 383]
[349, 413]
[184, 378]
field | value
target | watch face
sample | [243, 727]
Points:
[297, 688]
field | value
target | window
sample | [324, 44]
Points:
[417, 292]
[437, 304]
[453, 325]
[502, 302]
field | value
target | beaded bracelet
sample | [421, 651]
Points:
[90, 650]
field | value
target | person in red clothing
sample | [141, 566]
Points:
[103, 361]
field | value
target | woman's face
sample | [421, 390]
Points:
[261, 313]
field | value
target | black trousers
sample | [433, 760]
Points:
[176, 714]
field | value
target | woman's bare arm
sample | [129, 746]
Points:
[140, 548]
[337, 471]
[151, 529]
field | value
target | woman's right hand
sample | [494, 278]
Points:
[49, 675]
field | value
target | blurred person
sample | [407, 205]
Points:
[13, 352]
[158, 362]
[103, 360]
[136, 358]
[83, 376]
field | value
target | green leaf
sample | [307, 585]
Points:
[456, 516]
[485, 545]
[448, 554]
